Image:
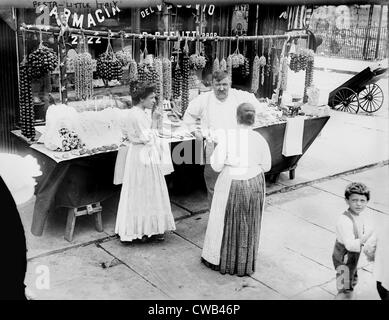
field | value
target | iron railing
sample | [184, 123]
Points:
[354, 43]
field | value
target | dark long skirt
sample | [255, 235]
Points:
[242, 225]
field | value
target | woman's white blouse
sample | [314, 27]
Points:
[244, 151]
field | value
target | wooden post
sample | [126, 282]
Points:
[135, 26]
[367, 33]
[377, 47]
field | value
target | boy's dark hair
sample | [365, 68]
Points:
[219, 75]
[358, 188]
[141, 91]
[245, 114]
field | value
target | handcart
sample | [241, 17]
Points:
[361, 91]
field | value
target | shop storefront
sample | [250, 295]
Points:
[78, 63]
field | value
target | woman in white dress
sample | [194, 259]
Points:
[144, 206]
[232, 236]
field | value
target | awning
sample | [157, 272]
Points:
[276, 2]
[154, 3]
[80, 3]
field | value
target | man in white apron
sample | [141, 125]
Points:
[213, 113]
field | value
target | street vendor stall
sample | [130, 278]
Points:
[79, 180]
[83, 125]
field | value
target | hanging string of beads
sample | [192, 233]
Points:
[269, 63]
[256, 73]
[177, 76]
[245, 68]
[83, 76]
[167, 76]
[308, 75]
[185, 78]
[26, 105]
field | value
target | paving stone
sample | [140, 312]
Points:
[77, 274]
[281, 227]
[193, 228]
[195, 202]
[174, 267]
[315, 293]
[288, 272]
[365, 289]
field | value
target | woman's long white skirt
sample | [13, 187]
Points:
[144, 205]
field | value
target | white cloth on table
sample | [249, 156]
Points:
[293, 138]
[239, 157]
[144, 205]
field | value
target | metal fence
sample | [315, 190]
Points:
[354, 43]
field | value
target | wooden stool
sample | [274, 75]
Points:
[73, 213]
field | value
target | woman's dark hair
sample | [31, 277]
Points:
[141, 90]
[245, 114]
[358, 188]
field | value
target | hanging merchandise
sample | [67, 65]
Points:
[262, 63]
[269, 63]
[229, 63]
[177, 76]
[299, 60]
[276, 68]
[177, 81]
[158, 74]
[108, 66]
[42, 60]
[185, 78]
[26, 105]
[216, 63]
[167, 78]
[256, 75]
[83, 73]
[133, 66]
[237, 59]
[284, 74]
[308, 76]
[223, 62]
[197, 61]
[124, 55]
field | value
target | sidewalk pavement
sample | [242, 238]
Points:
[297, 237]
[296, 240]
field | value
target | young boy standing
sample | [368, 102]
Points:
[352, 232]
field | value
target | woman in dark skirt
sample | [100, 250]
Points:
[232, 237]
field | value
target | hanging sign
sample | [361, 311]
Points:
[210, 9]
[75, 20]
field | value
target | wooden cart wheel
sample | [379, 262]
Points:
[371, 98]
[346, 99]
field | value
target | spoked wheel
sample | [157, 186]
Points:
[371, 98]
[346, 100]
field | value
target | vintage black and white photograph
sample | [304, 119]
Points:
[194, 150]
